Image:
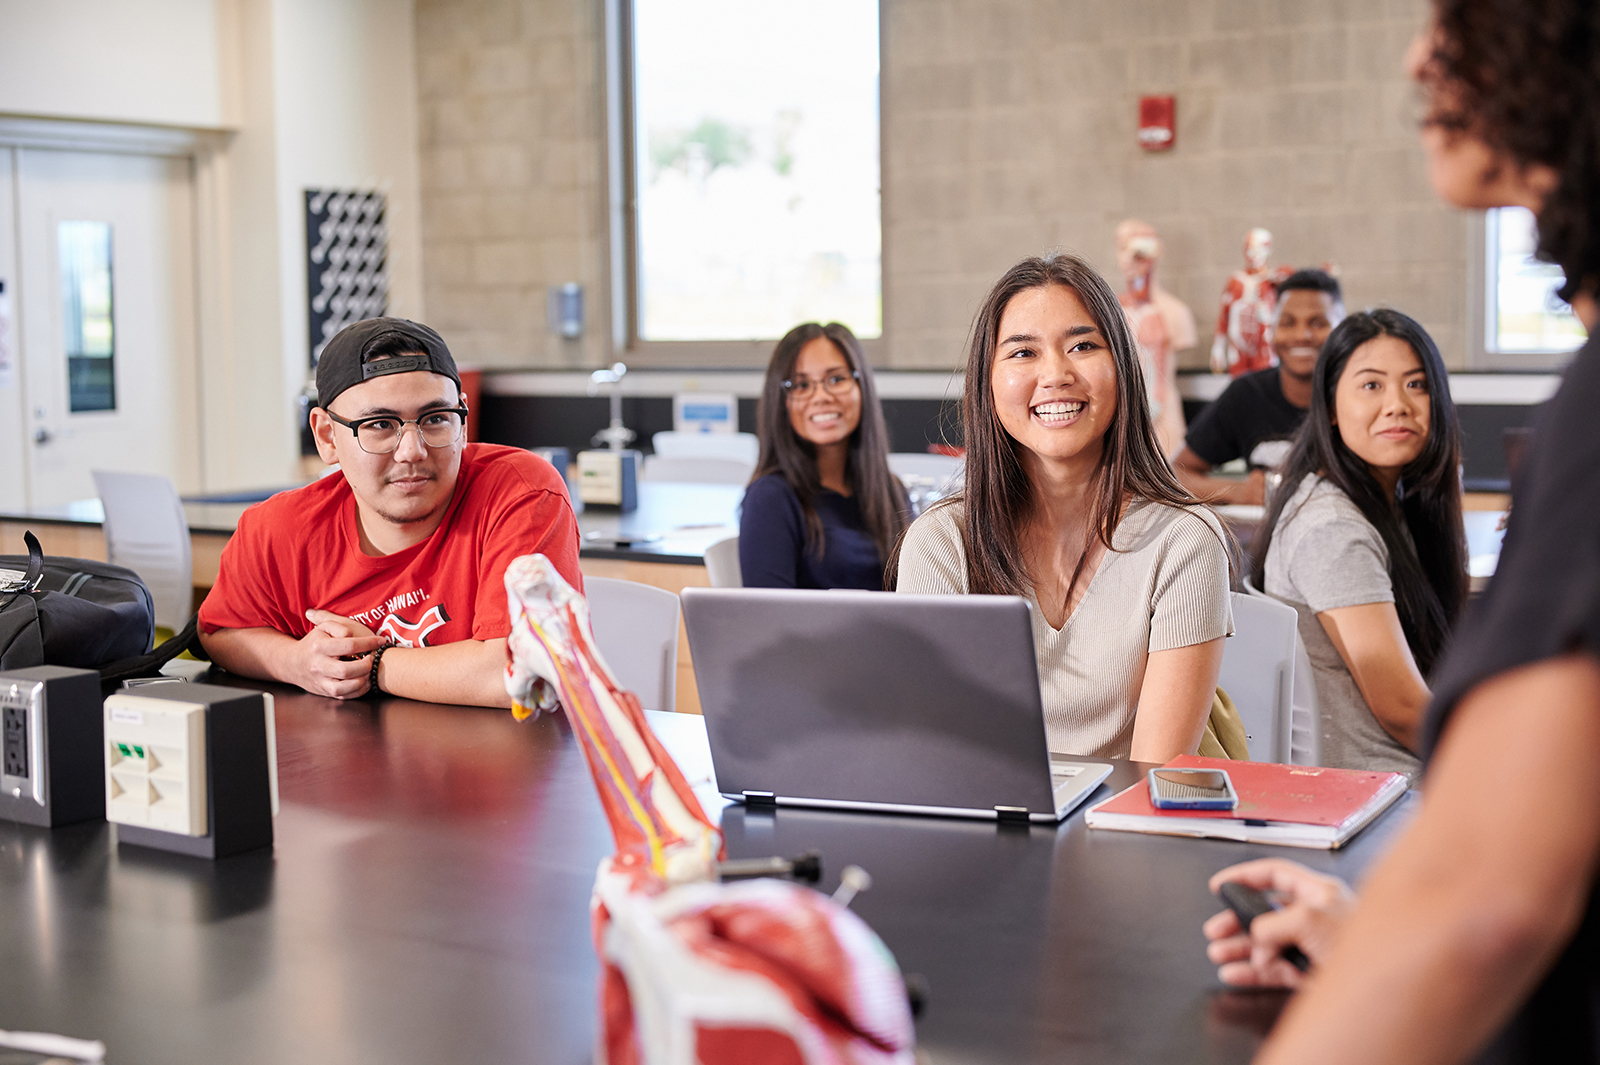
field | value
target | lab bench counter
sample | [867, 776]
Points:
[661, 544]
[428, 900]
[674, 525]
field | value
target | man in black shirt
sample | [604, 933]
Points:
[1267, 405]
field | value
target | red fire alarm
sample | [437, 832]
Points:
[1158, 122]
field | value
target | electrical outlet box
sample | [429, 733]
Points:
[50, 746]
[156, 765]
[609, 479]
[191, 768]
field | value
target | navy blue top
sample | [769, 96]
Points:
[772, 540]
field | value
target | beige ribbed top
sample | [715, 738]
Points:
[1165, 585]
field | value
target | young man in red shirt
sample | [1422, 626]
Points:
[389, 575]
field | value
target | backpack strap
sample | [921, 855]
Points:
[30, 582]
[148, 665]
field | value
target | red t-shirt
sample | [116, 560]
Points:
[300, 551]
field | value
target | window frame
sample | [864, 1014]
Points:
[1483, 303]
[622, 219]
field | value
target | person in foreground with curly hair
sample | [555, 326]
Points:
[1478, 936]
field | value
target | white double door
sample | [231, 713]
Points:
[99, 246]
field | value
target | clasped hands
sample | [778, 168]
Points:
[1314, 908]
[332, 659]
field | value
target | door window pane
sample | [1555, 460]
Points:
[756, 167]
[1526, 314]
[85, 249]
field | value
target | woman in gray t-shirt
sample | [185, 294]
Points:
[1069, 503]
[1365, 538]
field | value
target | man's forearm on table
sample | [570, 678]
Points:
[258, 653]
[468, 673]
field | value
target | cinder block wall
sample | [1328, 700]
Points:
[1008, 130]
[513, 175]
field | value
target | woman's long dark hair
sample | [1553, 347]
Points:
[879, 494]
[1428, 567]
[1523, 76]
[999, 497]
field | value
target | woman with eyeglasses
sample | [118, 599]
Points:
[823, 510]
[1069, 503]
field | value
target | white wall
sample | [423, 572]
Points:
[346, 101]
[323, 94]
[13, 449]
[315, 93]
[249, 427]
[151, 61]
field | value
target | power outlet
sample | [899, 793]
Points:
[190, 768]
[156, 763]
[50, 746]
[14, 727]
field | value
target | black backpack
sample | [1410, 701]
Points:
[81, 613]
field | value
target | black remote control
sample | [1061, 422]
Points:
[1247, 904]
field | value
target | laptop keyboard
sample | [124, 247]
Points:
[1063, 780]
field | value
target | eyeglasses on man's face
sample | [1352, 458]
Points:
[380, 435]
[835, 384]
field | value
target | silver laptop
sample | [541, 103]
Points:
[867, 700]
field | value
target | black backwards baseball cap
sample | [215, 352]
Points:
[376, 347]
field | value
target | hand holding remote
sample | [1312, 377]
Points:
[1247, 904]
[1258, 945]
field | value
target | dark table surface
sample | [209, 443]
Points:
[427, 900]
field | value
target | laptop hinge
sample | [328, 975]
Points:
[760, 798]
[1011, 813]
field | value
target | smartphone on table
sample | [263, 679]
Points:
[1192, 789]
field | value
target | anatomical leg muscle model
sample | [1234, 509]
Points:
[695, 971]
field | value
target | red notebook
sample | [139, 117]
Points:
[1290, 805]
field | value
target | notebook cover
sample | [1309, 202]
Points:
[1268, 791]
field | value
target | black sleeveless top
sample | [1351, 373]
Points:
[1544, 601]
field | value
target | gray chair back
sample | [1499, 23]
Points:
[636, 630]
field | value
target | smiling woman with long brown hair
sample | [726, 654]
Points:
[1068, 503]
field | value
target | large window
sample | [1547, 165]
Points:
[754, 168]
[1524, 315]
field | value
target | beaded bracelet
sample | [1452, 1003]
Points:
[372, 677]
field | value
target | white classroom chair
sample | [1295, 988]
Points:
[636, 630]
[741, 447]
[1305, 731]
[147, 533]
[941, 468]
[722, 564]
[696, 470]
[1258, 673]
